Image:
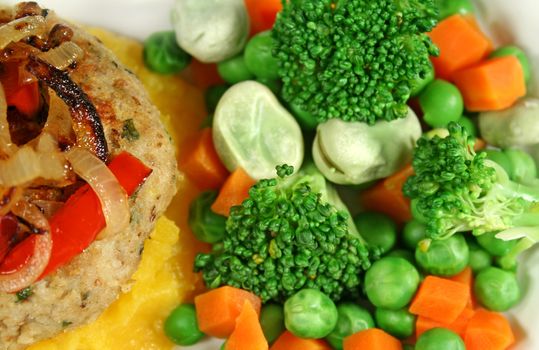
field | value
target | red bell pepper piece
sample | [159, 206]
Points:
[25, 99]
[76, 225]
[8, 227]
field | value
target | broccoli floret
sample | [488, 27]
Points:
[357, 60]
[292, 232]
[455, 189]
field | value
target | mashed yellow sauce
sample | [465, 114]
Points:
[164, 278]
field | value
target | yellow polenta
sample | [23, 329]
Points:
[164, 278]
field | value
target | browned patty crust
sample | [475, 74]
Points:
[78, 292]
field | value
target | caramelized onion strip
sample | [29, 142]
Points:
[63, 56]
[21, 28]
[29, 273]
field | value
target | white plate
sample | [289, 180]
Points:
[515, 21]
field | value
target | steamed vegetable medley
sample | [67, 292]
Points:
[368, 171]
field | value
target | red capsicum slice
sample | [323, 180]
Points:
[23, 96]
[76, 225]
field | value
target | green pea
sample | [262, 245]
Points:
[272, 321]
[439, 339]
[402, 253]
[234, 70]
[258, 56]
[181, 326]
[444, 257]
[206, 225]
[399, 323]
[408, 347]
[441, 103]
[352, 318]
[479, 258]
[500, 158]
[523, 165]
[448, 8]
[163, 55]
[495, 246]
[310, 314]
[413, 233]
[468, 125]
[497, 289]
[519, 54]
[391, 283]
[378, 229]
[423, 80]
[212, 96]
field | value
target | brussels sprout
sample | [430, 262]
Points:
[211, 30]
[444, 257]
[354, 152]
[252, 130]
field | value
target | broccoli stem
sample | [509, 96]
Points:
[509, 261]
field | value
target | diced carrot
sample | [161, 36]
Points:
[466, 277]
[488, 330]
[218, 309]
[458, 326]
[288, 341]
[248, 333]
[204, 75]
[440, 299]
[201, 163]
[372, 339]
[262, 14]
[387, 197]
[491, 85]
[461, 45]
[234, 191]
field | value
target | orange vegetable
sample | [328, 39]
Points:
[262, 14]
[387, 197]
[204, 75]
[458, 326]
[461, 45]
[371, 339]
[288, 341]
[479, 144]
[466, 277]
[234, 191]
[488, 330]
[201, 163]
[491, 85]
[218, 309]
[440, 299]
[248, 333]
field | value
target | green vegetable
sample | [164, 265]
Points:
[399, 323]
[234, 70]
[252, 130]
[272, 321]
[523, 166]
[497, 289]
[354, 60]
[273, 84]
[24, 294]
[181, 326]
[495, 246]
[501, 159]
[414, 232]
[479, 258]
[212, 96]
[421, 81]
[468, 125]
[439, 339]
[402, 253]
[129, 131]
[258, 56]
[441, 103]
[293, 232]
[163, 55]
[352, 318]
[518, 53]
[310, 314]
[306, 119]
[452, 7]
[206, 225]
[457, 190]
[391, 282]
[353, 153]
[444, 257]
[378, 230]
